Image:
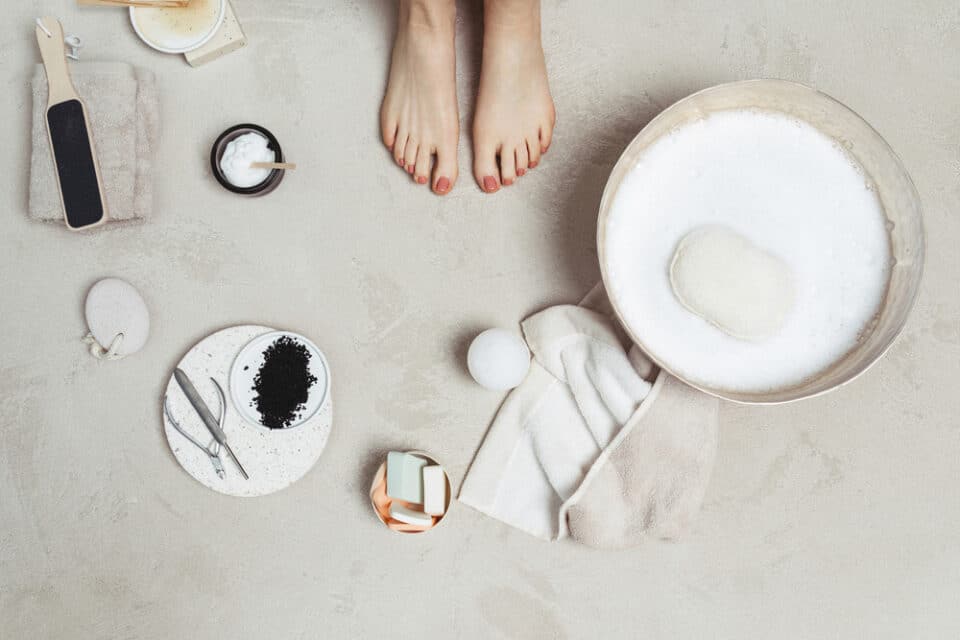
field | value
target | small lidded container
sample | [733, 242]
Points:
[233, 152]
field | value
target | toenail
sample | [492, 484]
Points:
[520, 172]
[421, 179]
[409, 168]
[443, 184]
[534, 164]
[490, 183]
[508, 181]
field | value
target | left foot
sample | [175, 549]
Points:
[514, 121]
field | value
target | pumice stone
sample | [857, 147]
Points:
[117, 319]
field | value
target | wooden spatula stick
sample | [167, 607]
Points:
[273, 165]
[133, 3]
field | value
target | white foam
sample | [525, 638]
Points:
[790, 190]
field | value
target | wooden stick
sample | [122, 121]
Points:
[133, 3]
[273, 165]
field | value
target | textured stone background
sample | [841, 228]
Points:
[837, 517]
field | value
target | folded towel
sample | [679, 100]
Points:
[586, 446]
[124, 113]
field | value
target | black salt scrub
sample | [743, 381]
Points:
[282, 384]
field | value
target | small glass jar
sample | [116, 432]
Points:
[216, 154]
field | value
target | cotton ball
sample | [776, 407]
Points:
[498, 359]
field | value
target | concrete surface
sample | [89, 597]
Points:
[838, 517]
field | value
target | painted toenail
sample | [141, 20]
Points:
[508, 181]
[421, 179]
[489, 183]
[443, 185]
[409, 168]
[534, 164]
[520, 172]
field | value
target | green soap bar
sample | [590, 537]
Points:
[405, 477]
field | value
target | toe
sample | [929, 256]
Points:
[410, 155]
[546, 137]
[400, 147]
[422, 167]
[485, 167]
[522, 159]
[533, 151]
[508, 165]
[445, 172]
[388, 131]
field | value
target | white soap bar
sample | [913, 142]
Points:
[409, 516]
[434, 490]
[229, 37]
[731, 283]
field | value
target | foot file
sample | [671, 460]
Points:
[78, 172]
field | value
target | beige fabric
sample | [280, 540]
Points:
[652, 478]
[124, 113]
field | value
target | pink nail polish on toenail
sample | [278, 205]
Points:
[443, 185]
[489, 183]
[507, 182]
[421, 179]
[520, 172]
[409, 168]
[534, 164]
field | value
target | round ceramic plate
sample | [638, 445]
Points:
[183, 46]
[247, 365]
[274, 458]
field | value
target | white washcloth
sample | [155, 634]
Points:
[573, 450]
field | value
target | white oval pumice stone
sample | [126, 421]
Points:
[498, 359]
[732, 283]
[113, 307]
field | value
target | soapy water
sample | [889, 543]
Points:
[789, 189]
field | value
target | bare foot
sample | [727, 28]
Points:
[418, 118]
[515, 115]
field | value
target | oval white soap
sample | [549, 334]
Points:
[113, 307]
[732, 283]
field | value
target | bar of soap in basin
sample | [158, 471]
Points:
[732, 283]
[409, 516]
[405, 477]
[434, 490]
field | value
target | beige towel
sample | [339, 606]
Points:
[124, 113]
[584, 447]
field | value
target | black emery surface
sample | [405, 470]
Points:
[75, 165]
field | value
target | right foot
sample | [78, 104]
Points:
[418, 118]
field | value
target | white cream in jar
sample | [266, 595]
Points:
[240, 153]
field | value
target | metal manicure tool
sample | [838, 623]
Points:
[213, 449]
[213, 425]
